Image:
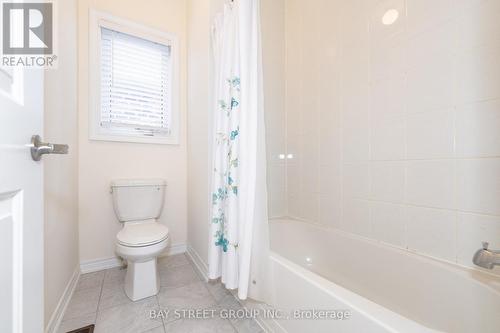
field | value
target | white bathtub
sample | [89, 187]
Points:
[386, 289]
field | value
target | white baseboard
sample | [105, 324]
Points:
[199, 264]
[174, 249]
[90, 266]
[58, 314]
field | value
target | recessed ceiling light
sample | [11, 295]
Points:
[390, 17]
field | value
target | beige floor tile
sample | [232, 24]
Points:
[174, 277]
[192, 296]
[113, 295]
[217, 290]
[128, 318]
[115, 276]
[100, 299]
[83, 303]
[173, 261]
[246, 326]
[90, 280]
[159, 329]
[215, 325]
[229, 302]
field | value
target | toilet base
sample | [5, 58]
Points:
[142, 279]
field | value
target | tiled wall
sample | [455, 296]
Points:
[273, 46]
[394, 129]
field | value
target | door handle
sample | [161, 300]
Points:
[39, 148]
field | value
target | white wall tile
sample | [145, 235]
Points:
[330, 179]
[356, 180]
[356, 217]
[330, 148]
[388, 181]
[388, 97]
[432, 48]
[293, 119]
[380, 31]
[293, 179]
[355, 98]
[310, 164]
[478, 182]
[430, 135]
[394, 129]
[329, 109]
[473, 229]
[276, 146]
[277, 208]
[389, 223]
[309, 206]
[295, 146]
[478, 129]
[310, 114]
[356, 144]
[478, 23]
[387, 59]
[355, 35]
[431, 183]
[430, 88]
[293, 205]
[330, 209]
[431, 73]
[427, 14]
[276, 181]
[388, 138]
[293, 103]
[479, 73]
[432, 231]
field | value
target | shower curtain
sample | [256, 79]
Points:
[239, 241]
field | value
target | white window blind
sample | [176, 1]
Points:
[135, 85]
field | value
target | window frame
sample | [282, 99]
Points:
[96, 131]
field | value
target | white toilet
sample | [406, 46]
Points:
[138, 204]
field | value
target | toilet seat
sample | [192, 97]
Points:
[142, 233]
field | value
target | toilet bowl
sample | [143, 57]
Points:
[138, 205]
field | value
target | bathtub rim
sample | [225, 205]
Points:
[389, 320]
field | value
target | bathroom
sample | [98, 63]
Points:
[367, 194]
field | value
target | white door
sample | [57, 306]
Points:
[21, 202]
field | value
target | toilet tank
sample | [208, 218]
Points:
[138, 199]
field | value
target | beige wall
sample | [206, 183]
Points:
[395, 128]
[199, 125]
[200, 77]
[61, 172]
[100, 161]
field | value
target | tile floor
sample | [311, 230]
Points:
[99, 299]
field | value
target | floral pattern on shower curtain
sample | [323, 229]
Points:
[225, 176]
[239, 242]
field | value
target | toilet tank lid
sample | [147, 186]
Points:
[138, 182]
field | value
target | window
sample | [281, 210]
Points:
[134, 86]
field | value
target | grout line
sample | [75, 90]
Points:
[159, 307]
[100, 296]
[430, 159]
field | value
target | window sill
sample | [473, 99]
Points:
[170, 140]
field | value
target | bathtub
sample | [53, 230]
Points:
[385, 289]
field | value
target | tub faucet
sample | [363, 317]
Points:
[486, 258]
